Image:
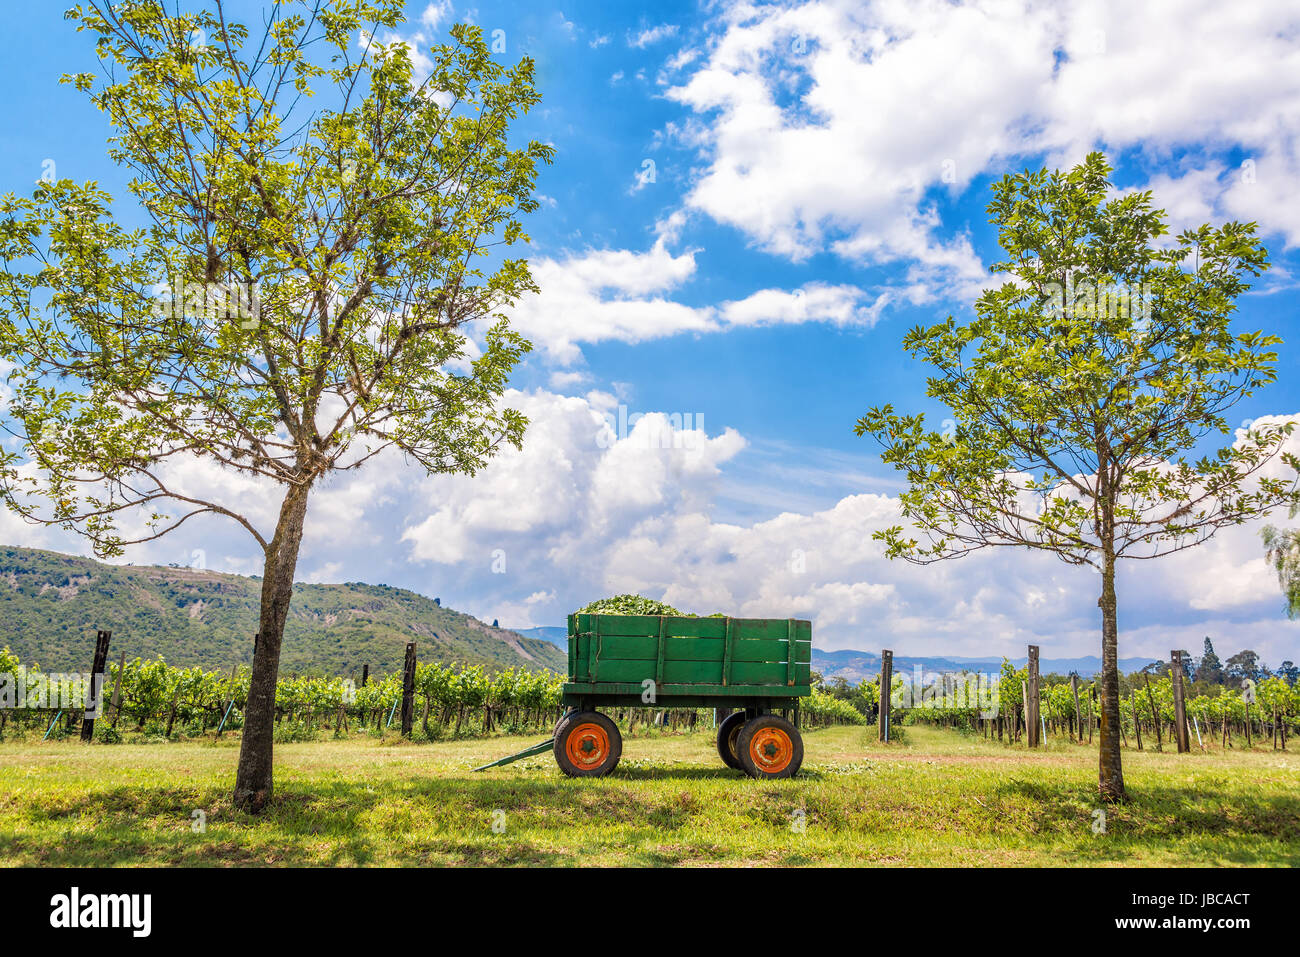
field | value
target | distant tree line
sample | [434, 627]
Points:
[1209, 670]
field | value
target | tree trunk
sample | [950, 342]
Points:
[1111, 776]
[253, 777]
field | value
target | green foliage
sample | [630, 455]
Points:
[1242, 665]
[1056, 701]
[1210, 669]
[321, 225]
[1282, 547]
[150, 689]
[820, 709]
[1079, 392]
[1072, 413]
[629, 605]
[638, 605]
[52, 604]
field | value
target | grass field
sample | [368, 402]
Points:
[937, 798]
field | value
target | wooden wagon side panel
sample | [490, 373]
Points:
[674, 651]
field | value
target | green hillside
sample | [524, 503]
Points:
[51, 605]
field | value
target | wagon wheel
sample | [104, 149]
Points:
[555, 729]
[728, 732]
[587, 744]
[769, 747]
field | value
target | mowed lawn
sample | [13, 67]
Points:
[938, 798]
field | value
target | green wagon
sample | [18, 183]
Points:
[752, 668]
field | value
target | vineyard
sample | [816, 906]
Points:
[943, 791]
[154, 699]
[1147, 710]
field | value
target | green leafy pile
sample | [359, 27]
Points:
[630, 605]
[637, 605]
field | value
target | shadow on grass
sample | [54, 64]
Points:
[1244, 827]
[640, 812]
[668, 772]
[352, 822]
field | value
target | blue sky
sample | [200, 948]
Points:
[820, 172]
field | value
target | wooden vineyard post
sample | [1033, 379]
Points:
[361, 715]
[95, 701]
[1092, 697]
[1033, 731]
[1155, 715]
[1137, 725]
[1078, 715]
[117, 689]
[408, 690]
[1247, 724]
[886, 684]
[1180, 710]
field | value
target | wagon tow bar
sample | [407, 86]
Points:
[525, 753]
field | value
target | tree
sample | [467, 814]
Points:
[1282, 547]
[1076, 393]
[1210, 670]
[298, 299]
[1288, 672]
[1242, 665]
[839, 687]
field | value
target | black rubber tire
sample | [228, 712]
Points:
[754, 728]
[573, 722]
[555, 731]
[727, 733]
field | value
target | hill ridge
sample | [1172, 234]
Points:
[54, 603]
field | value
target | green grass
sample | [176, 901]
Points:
[938, 798]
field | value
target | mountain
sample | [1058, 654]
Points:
[854, 666]
[51, 605]
[556, 636]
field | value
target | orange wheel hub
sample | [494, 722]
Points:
[771, 750]
[587, 745]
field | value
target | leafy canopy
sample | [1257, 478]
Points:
[1282, 547]
[1082, 383]
[322, 225]
[637, 605]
